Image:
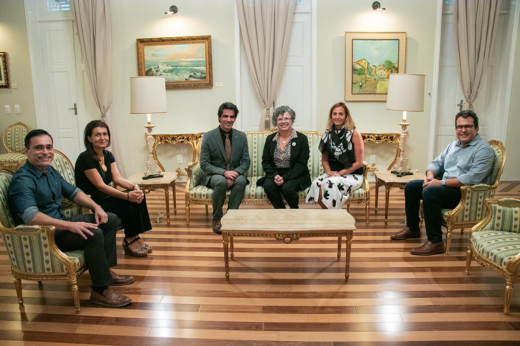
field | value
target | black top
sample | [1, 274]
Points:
[222, 134]
[86, 162]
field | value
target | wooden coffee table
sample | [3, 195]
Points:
[165, 182]
[389, 180]
[287, 225]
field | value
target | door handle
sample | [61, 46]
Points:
[75, 108]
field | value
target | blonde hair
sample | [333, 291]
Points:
[349, 123]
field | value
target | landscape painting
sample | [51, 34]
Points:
[185, 62]
[370, 59]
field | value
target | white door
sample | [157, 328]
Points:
[54, 61]
[295, 89]
[60, 85]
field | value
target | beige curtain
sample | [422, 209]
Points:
[476, 25]
[266, 27]
[94, 25]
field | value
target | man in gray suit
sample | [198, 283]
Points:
[224, 157]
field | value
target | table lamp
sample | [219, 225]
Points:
[406, 94]
[148, 96]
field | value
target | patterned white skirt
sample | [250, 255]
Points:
[335, 190]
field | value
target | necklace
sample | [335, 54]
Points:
[102, 164]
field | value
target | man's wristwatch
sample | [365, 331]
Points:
[443, 182]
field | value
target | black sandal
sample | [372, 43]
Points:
[141, 252]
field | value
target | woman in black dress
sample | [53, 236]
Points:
[95, 169]
[284, 160]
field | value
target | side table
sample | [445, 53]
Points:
[389, 180]
[165, 182]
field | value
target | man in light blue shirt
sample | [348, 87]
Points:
[466, 161]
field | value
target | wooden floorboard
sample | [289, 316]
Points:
[278, 294]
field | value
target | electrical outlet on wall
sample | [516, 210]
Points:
[7, 109]
[17, 109]
[179, 158]
[372, 159]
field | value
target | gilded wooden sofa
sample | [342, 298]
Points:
[495, 242]
[32, 251]
[470, 209]
[14, 141]
[196, 193]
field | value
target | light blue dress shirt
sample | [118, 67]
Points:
[471, 164]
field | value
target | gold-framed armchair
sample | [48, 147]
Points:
[495, 242]
[470, 209]
[32, 250]
[14, 141]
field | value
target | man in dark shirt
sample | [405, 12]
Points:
[224, 157]
[35, 199]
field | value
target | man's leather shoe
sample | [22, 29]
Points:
[406, 233]
[121, 280]
[109, 298]
[217, 226]
[428, 249]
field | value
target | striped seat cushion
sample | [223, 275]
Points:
[505, 219]
[498, 247]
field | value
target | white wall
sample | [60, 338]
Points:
[189, 111]
[418, 20]
[13, 40]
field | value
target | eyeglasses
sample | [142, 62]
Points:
[465, 127]
[279, 120]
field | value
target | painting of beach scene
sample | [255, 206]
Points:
[371, 58]
[183, 61]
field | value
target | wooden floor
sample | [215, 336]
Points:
[279, 294]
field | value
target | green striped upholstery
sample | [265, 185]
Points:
[31, 254]
[256, 142]
[497, 246]
[13, 158]
[6, 219]
[62, 164]
[497, 163]
[504, 219]
[473, 209]
[15, 137]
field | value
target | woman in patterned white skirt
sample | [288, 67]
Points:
[342, 151]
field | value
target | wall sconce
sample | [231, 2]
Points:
[173, 9]
[376, 6]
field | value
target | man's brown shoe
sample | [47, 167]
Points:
[109, 298]
[428, 249]
[406, 233]
[216, 226]
[121, 280]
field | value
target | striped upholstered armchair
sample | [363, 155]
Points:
[32, 251]
[13, 138]
[495, 242]
[471, 208]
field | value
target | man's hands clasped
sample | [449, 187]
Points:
[230, 176]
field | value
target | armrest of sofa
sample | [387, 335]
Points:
[195, 175]
[472, 203]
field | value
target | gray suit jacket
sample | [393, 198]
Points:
[212, 159]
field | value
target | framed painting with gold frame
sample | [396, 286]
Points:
[4, 71]
[370, 58]
[185, 62]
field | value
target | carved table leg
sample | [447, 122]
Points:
[232, 248]
[468, 259]
[509, 292]
[339, 247]
[225, 240]
[377, 195]
[347, 255]
[167, 197]
[387, 200]
[174, 199]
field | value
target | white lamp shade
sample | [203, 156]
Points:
[406, 93]
[147, 95]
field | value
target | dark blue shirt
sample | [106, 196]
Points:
[32, 191]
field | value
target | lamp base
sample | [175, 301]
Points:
[151, 176]
[401, 174]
